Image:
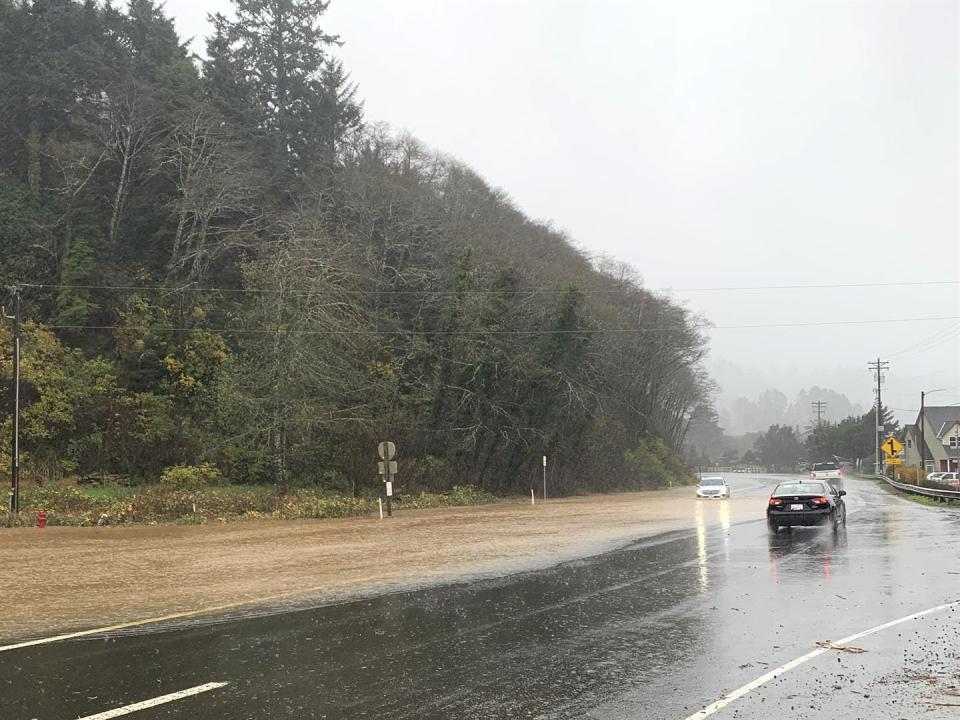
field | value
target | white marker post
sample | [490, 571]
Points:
[380, 503]
[544, 477]
[531, 497]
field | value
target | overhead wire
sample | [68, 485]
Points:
[584, 331]
[930, 341]
[525, 291]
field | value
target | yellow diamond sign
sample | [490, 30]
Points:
[892, 446]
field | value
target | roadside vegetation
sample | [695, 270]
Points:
[224, 265]
[927, 500]
[163, 504]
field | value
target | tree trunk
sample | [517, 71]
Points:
[119, 196]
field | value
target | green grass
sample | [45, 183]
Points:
[107, 491]
[926, 500]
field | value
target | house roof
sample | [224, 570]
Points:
[933, 445]
[946, 426]
[941, 418]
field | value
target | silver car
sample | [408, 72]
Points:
[713, 486]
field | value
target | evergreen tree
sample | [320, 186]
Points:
[279, 50]
[340, 110]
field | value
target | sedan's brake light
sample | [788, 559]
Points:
[820, 500]
[776, 501]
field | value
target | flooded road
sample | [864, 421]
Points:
[658, 629]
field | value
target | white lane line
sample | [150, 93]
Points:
[114, 628]
[162, 618]
[163, 699]
[786, 667]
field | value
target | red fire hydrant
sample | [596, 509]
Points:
[42, 519]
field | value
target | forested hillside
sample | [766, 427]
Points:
[221, 261]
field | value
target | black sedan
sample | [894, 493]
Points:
[806, 503]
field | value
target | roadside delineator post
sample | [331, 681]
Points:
[544, 477]
[42, 519]
[387, 467]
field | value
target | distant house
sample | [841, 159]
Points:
[942, 435]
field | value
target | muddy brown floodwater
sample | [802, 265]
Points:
[62, 579]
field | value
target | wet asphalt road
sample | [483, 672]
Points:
[655, 630]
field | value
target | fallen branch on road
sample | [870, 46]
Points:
[830, 645]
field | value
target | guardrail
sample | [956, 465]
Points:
[941, 493]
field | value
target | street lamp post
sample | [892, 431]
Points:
[923, 433]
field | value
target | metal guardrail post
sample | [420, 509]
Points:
[918, 490]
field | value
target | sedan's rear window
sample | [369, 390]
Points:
[806, 488]
[824, 466]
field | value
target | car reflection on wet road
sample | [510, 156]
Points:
[658, 629]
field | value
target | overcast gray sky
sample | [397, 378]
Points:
[709, 144]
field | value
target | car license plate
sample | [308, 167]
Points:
[796, 507]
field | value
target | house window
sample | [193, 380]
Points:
[909, 443]
[955, 441]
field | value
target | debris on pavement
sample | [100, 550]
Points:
[830, 645]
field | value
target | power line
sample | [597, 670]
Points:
[937, 338]
[585, 331]
[527, 291]
[818, 287]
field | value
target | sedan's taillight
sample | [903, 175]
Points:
[820, 501]
[775, 502]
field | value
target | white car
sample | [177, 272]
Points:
[713, 486]
[935, 476]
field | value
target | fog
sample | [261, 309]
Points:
[711, 145]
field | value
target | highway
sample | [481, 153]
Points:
[667, 627]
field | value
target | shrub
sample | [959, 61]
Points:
[904, 473]
[426, 473]
[69, 505]
[187, 477]
[335, 481]
[62, 498]
[653, 465]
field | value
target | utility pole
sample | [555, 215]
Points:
[878, 367]
[923, 438]
[819, 406]
[923, 433]
[15, 454]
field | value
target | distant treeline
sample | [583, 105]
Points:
[222, 262]
[785, 447]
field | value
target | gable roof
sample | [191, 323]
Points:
[941, 418]
[946, 426]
